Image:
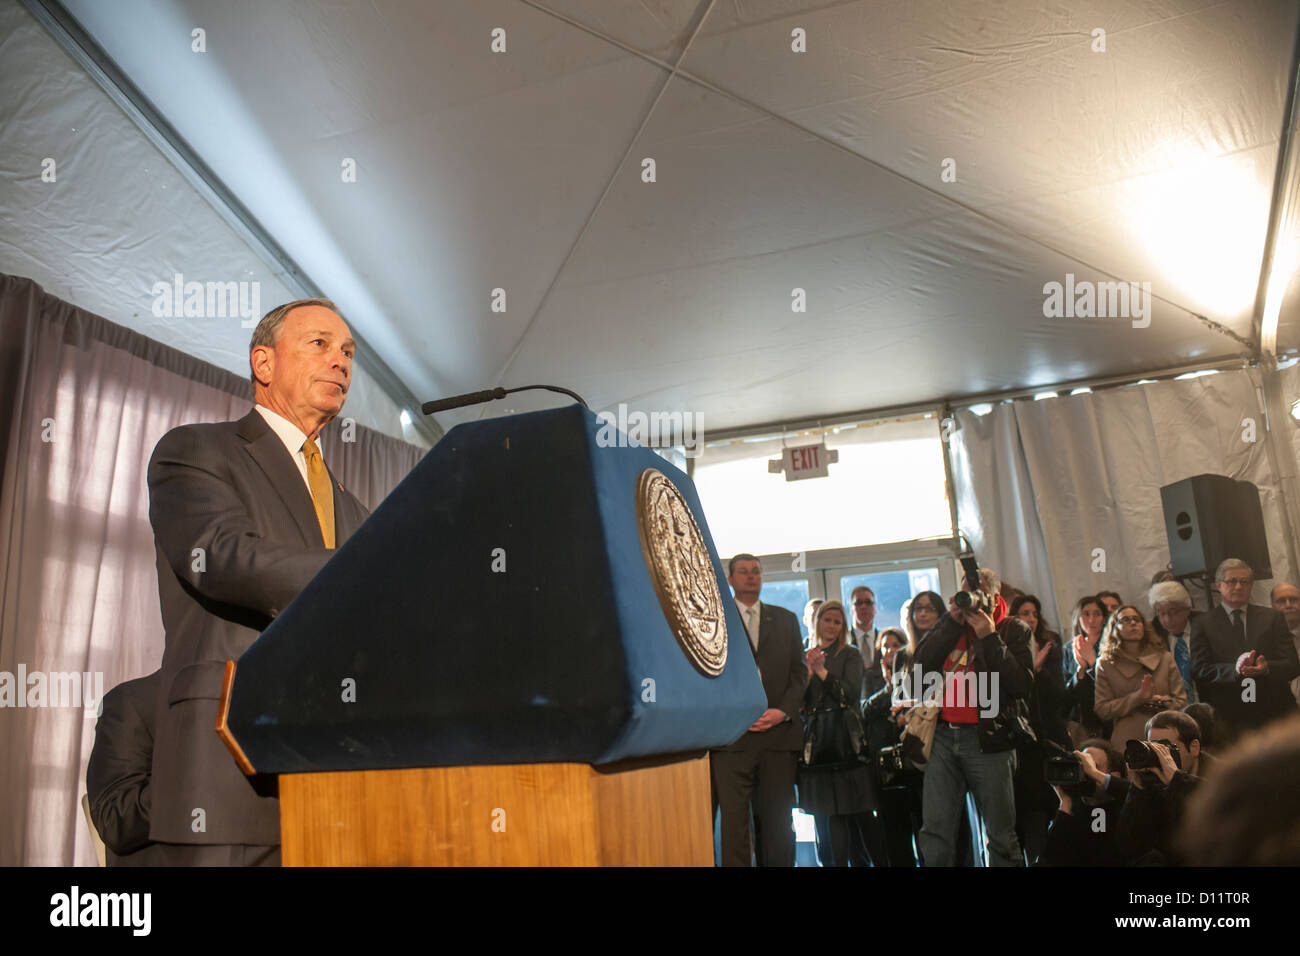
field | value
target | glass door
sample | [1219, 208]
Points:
[894, 584]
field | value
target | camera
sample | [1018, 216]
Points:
[974, 599]
[892, 762]
[1141, 754]
[1066, 771]
[1063, 770]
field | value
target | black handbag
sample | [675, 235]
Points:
[832, 735]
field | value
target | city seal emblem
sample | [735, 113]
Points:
[682, 572]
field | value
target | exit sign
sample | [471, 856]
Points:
[806, 461]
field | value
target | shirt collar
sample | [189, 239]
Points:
[289, 433]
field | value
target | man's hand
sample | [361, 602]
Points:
[1245, 660]
[1167, 767]
[771, 717]
[979, 622]
[1090, 768]
[1257, 666]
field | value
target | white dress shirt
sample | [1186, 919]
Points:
[866, 641]
[293, 439]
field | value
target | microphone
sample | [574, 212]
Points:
[489, 394]
[460, 401]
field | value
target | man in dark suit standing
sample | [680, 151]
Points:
[864, 635]
[117, 777]
[244, 514]
[1242, 656]
[770, 747]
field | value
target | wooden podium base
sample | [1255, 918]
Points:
[651, 812]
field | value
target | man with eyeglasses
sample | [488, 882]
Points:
[1243, 658]
[864, 635]
[1286, 601]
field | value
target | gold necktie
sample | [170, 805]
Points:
[322, 495]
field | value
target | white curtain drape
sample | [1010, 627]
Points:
[1062, 495]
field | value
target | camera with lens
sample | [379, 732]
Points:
[1141, 754]
[974, 599]
[1066, 771]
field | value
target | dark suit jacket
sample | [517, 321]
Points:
[781, 665]
[117, 777]
[1051, 697]
[1215, 648]
[1072, 839]
[233, 490]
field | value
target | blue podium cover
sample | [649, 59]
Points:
[495, 608]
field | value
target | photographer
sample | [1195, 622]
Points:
[1083, 831]
[1184, 733]
[974, 742]
[1160, 787]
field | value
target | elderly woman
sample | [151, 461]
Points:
[1079, 664]
[1136, 676]
[1172, 606]
[834, 784]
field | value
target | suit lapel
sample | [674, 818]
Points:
[342, 523]
[1256, 620]
[266, 449]
[766, 622]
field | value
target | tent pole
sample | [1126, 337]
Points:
[1282, 218]
[1282, 462]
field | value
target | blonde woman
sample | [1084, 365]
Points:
[834, 784]
[1136, 676]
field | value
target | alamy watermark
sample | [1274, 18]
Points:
[208, 300]
[951, 689]
[1086, 299]
[83, 689]
[651, 429]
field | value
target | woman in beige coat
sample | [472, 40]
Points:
[1136, 676]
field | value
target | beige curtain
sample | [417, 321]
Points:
[82, 403]
[1063, 495]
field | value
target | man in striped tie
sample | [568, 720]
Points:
[244, 514]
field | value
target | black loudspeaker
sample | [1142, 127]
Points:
[1212, 517]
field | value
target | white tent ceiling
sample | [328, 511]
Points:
[1153, 161]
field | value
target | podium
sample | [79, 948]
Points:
[520, 658]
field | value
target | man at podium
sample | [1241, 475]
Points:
[244, 514]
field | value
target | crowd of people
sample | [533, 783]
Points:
[976, 734]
